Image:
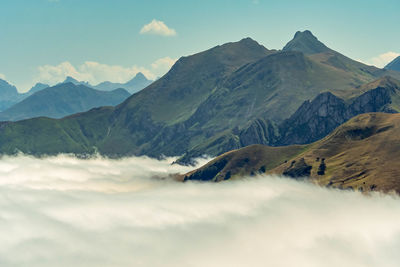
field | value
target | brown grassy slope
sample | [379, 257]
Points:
[246, 161]
[362, 154]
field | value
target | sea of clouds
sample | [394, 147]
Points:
[63, 211]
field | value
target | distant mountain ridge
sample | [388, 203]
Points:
[62, 100]
[9, 94]
[134, 85]
[36, 88]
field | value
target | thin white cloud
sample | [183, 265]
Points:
[2, 76]
[63, 211]
[383, 59]
[95, 72]
[157, 27]
[162, 65]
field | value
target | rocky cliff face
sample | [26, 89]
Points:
[377, 100]
[313, 120]
[317, 118]
[258, 132]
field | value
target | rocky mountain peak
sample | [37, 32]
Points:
[307, 43]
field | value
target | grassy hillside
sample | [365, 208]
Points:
[362, 154]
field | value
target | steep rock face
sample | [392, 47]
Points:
[258, 132]
[313, 120]
[316, 119]
[375, 100]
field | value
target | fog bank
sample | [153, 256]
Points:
[63, 211]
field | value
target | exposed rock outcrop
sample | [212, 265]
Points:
[316, 119]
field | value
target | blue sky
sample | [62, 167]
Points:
[44, 40]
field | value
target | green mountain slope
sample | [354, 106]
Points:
[62, 100]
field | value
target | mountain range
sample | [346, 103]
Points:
[62, 100]
[134, 85]
[212, 101]
[10, 97]
[9, 94]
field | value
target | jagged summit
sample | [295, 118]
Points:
[7, 89]
[70, 79]
[139, 78]
[307, 43]
[37, 87]
[140, 75]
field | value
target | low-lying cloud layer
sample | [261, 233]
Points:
[62, 211]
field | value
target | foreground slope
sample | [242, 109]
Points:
[362, 154]
[62, 100]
